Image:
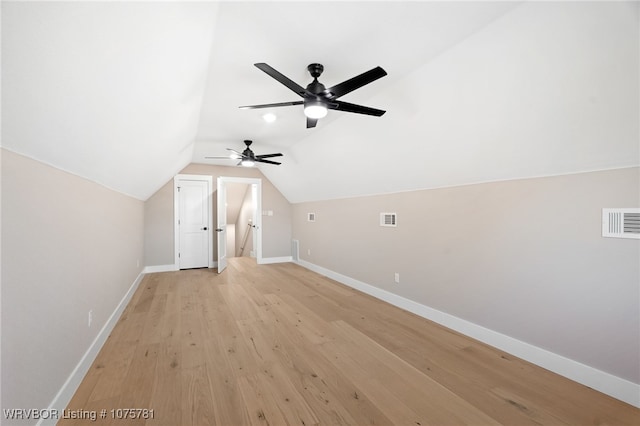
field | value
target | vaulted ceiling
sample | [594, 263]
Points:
[128, 93]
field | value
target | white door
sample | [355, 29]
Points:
[221, 229]
[254, 199]
[193, 224]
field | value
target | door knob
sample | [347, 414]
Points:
[219, 230]
[204, 229]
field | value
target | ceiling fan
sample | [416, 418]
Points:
[317, 99]
[247, 157]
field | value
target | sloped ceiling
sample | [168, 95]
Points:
[110, 91]
[127, 94]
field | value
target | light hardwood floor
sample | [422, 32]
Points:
[278, 344]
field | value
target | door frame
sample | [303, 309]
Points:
[257, 220]
[176, 215]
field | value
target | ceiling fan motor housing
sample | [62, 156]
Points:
[247, 152]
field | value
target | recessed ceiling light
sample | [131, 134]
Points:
[269, 117]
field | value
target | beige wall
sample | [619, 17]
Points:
[68, 246]
[276, 229]
[242, 224]
[231, 239]
[524, 258]
[158, 227]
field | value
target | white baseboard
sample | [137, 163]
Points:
[159, 268]
[69, 387]
[601, 381]
[282, 259]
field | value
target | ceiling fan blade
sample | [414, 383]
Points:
[281, 78]
[260, 160]
[269, 155]
[235, 153]
[359, 109]
[356, 82]
[279, 104]
[311, 122]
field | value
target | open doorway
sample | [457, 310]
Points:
[239, 222]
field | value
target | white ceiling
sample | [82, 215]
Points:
[128, 93]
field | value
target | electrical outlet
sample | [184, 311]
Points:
[138, 263]
[396, 277]
[308, 252]
[90, 317]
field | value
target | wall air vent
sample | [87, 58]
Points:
[311, 217]
[621, 223]
[388, 219]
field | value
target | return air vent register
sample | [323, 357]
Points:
[621, 223]
[388, 219]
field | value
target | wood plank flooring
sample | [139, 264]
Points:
[281, 345]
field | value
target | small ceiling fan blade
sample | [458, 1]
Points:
[260, 160]
[356, 82]
[269, 155]
[311, 122]
[279, 104]
[359, 109]
[281, 78]
[235, 154]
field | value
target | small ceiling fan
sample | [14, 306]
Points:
[247, 157]
[317, 99]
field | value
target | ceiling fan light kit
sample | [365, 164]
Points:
[317, 99]
[315, 109]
